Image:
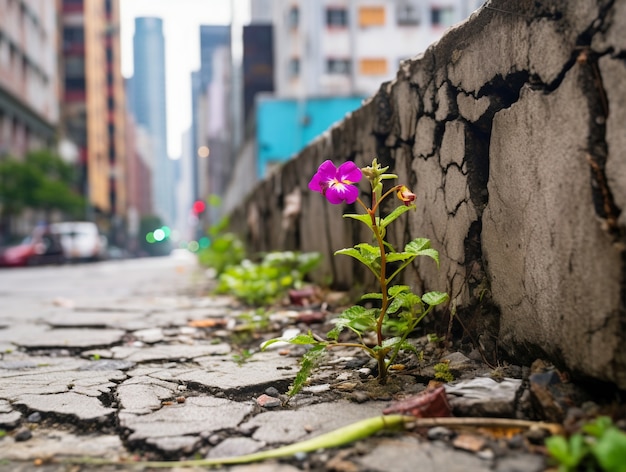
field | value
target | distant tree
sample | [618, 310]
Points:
[42, 181]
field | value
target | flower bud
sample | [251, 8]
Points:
[406, 195]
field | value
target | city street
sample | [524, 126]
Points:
[26, 292]
[133, 360]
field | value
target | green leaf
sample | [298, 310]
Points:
[435, 298]
[365, 248]
[309, 361]
[610, 450]
[421, 247]
[395, 305]
[391, 342]
[372, 296]
[303, 339]
[399, 256]
[417, 245]
[364, 218]
[395, 214]
[598, 427]
[356, 318]
[356, 254]
[394, 290]
[567, 453]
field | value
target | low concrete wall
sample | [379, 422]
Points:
[511, 132]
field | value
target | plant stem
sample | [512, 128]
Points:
[345, 435]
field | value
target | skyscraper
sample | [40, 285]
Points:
[149, 108]
[212, 38]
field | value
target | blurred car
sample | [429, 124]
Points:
[39, 248]
[81, 240]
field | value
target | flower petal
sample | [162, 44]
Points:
[349, 172]
[326, 172]
[327, 169]
[338, 193]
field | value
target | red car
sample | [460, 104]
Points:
[40, 248]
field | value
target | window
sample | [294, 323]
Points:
[293, 17]
[75, 66]
[442, 16]
[293, 68]
[373, 66]
[371, 16]
[336, 17]
[75, 83]
[73, 35]
[407, 13]
[338, 66]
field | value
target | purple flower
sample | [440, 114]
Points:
[336, 184]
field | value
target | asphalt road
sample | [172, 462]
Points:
[24, 292]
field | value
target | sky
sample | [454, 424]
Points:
[181, 28]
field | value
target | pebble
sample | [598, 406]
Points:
[272, 391]
[486, 454]
[23, 434]
[266, 401]
[365, 372]
[318, 388]
[359, 396]
[34, 417]
[439, 432]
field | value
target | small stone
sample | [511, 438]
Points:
[359, 396]
[23, 434]
[537, 435]
[34, 417]
[365, 372]
[439, 433]
[272, 391]
[266, 401]
[346, 386]
[469, 442]
[517, 442]
[317, 388]
[300, 456]
[486, 454]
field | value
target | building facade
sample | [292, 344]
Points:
[212, 39]
[148, 106]
[349, 47]
[93, 107]
[29, 99]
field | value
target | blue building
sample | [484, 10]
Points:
[286, 125]
[148, 105]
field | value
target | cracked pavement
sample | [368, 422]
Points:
[100, 360]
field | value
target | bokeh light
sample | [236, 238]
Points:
[204, 242]
[159, 235]
[150, 237]
[193, 246]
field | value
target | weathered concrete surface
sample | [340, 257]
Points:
[510, 132]
[172, 391]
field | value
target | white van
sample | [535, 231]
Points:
[80, 240]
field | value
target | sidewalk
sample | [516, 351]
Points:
[153, 376]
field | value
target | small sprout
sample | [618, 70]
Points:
[442, 372]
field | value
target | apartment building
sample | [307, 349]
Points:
[29, 100]
[349, 47]
[93, 109]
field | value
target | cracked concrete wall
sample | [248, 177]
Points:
[511, 131]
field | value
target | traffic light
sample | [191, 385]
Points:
[198, 207]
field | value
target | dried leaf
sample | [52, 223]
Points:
[208, 323]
